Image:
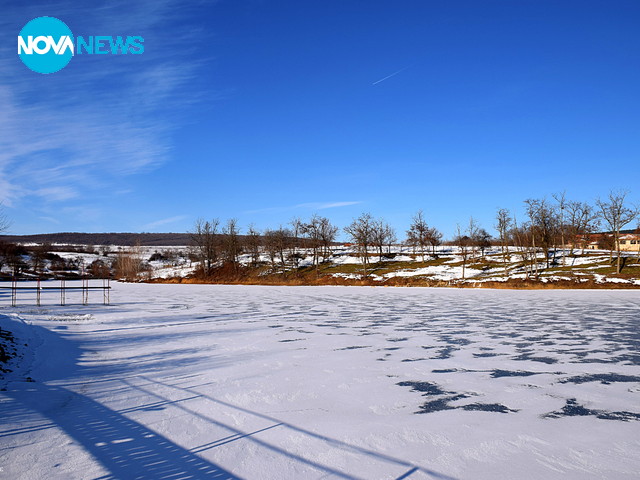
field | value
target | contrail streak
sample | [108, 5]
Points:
[389, 76]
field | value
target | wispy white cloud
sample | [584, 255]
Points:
[162, 222]
[100, 119]
[56, 193]
[303, 206]
[324, 205]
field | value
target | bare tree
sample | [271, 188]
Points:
[617, 215]
[383, 234]
[532, 212]
[522, 239]
[473, 230]
[231, 246]
[5, 251]
[128, 263]
[434, 237]
[253, 243]
[482, 240]
[390, 238]
[463, 243]
[562, 205]
[14, 257]
[548, 225]
[361, 233]
[99, 269]
[313, 233]
[418, 235]
[284, 238]
[297, 229]
[271, 244]
[320, 234]
[637, 232]
[206, 240]
[543, 223]
[503, 225]
[38, 257]
[328, 235]
[277, 242]
[582, 220]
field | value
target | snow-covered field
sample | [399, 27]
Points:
[210, 381]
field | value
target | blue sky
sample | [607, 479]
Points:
[265, 110]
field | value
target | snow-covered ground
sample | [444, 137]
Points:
[210, 381]
[437, 272]
[444, 264]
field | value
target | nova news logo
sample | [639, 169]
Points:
[46, 45]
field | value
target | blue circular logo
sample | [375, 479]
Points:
[45, 45]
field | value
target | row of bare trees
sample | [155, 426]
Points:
[286, 246]
[547, 226]
[370, 235]
[214, 243]
[283, 246]
[561, 223]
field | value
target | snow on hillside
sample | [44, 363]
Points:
[439, 272]
[442, 264]
[210, 381]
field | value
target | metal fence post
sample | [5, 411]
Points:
[14, 290]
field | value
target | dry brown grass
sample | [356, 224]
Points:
[246, 276]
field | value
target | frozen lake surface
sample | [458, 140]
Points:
[209, 381]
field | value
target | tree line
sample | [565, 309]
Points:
[564, 223]
[547, 226]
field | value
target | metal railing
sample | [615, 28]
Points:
[62, 287]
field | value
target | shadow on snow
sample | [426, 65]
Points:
[126, 448]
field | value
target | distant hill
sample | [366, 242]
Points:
[123, 239]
